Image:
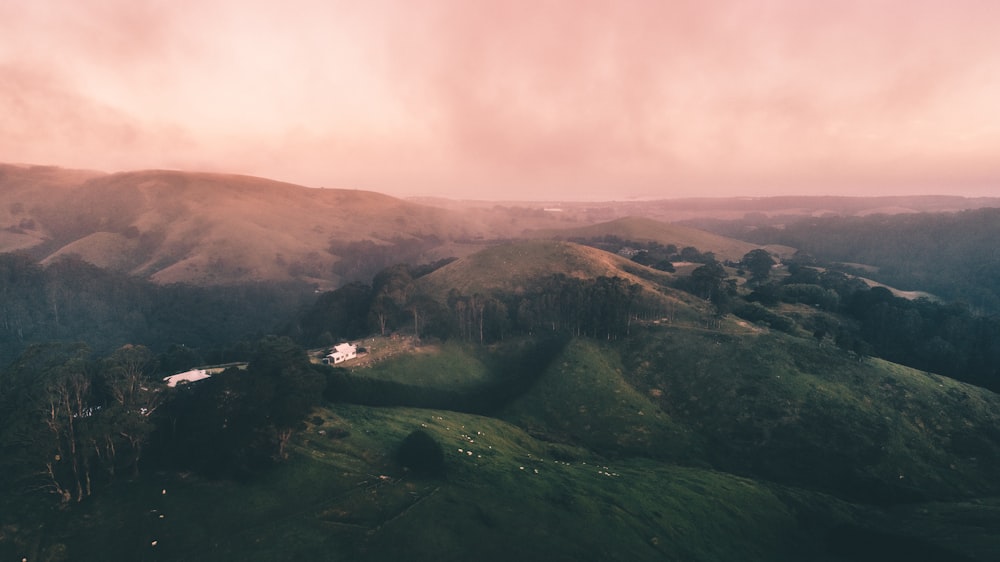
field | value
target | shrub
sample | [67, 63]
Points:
[421, 454]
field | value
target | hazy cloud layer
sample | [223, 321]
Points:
[584, 98]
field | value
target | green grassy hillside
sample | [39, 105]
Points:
[505, 496]
[584, 399]
[686, 435]
[765, 405]
[676, 444]
[786, 409]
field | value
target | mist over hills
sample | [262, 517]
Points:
[203, 228]
[172, 226]
[206, 228]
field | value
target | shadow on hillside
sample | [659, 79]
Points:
[513, 374]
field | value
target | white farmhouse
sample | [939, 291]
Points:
[341, 352]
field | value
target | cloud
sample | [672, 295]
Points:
[44, 121]
[513, 99]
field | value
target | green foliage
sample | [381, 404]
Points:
[133, 398]
[759, 262]
[761, 315]
[338, 315]
[237, 421]
[71, 300]
[782, 408]
[945, 339]
[592, 425]
[951, 255]
[72, 423]
[811, 294]
[421, 454]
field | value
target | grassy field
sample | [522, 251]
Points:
[675, 444]
[505, 495]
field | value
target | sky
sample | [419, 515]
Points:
[511, 99]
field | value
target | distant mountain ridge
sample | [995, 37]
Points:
[204, 228]
[210, 228]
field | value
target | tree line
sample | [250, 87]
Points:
[71, 300]
[949, 339]
[72, 422]
[952, 255]
[604, 307]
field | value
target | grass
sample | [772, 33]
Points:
[514, 496]
[675, 444]
[583, 398]
[787, 409]
[449, 366]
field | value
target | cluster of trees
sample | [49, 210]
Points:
[239, 420]
[943, 338]
[602, 308]
[952, 255]
[649, 253]
[946, 338]
[71, 422]
[72, 300]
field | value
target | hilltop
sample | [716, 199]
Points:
[206, 228]
[211, 229]
[640, 229]
[514, 266]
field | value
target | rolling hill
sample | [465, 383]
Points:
[682, 440]
[172, 226]
[513, 266]
[641, 229]
[205, 228]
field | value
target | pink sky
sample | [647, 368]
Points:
[538, 99]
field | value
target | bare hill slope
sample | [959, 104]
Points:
[205, 228]
[512, 267]
[173, 226]
[642, 229]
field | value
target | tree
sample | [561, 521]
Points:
[134, 397]
[391, 290]
[707, 279]
[238, 420]
[759, 263]
[284, 387]
[421, 454]
[343, 313]
[48, 406]
[426, 313]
